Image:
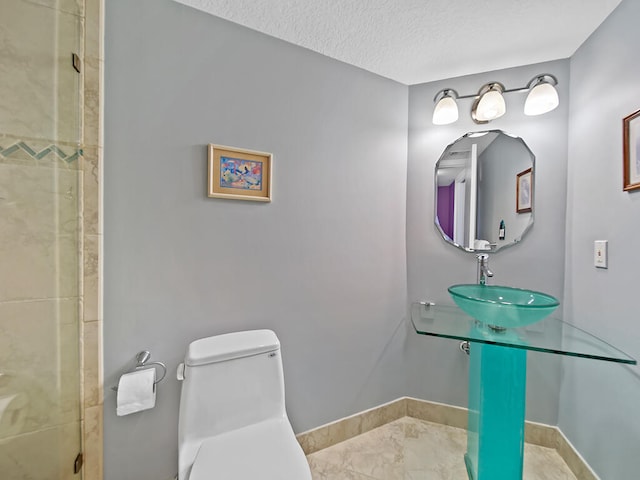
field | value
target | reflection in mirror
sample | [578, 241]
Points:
[484, 191]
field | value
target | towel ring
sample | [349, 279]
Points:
[142, 361]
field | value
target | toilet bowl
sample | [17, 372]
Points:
[233, 424]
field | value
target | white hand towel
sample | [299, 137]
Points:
[136, 391]
[479, 244]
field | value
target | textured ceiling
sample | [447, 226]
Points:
[416, 41]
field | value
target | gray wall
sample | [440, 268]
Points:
[536, 263]
[599, 401]
[323, 264]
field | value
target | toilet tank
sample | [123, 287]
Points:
[230, 381]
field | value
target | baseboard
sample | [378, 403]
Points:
[573, 459]
[437, 412]
[345, 428]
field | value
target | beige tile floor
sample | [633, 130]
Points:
[412, 449]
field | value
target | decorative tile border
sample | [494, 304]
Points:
[19, 148]
[335, 432]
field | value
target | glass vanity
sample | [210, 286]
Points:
[550, 335]
[484, 202]
[497, 379]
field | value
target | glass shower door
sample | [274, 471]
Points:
[39, 239]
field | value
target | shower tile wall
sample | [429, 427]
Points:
[39, 97]
[39, 313]
[50, 320]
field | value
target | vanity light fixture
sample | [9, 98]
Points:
[446, 110]
[543, 96]
[489, 102]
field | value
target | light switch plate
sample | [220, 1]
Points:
[600, 253]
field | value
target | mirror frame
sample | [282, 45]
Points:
[493, 249]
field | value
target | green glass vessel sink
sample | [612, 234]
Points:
[503, 307]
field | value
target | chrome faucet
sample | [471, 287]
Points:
[483, 268]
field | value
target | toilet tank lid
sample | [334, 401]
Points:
[229, 346]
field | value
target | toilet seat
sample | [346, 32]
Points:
[267, 450]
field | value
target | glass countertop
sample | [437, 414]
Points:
[550, 335]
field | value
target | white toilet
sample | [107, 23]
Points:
[233, 424]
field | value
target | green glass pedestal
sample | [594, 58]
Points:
[495, 436]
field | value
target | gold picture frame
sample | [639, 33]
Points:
[631, 147]
[239, 174]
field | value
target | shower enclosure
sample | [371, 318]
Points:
[40, 238]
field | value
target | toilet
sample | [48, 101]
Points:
[233, 424]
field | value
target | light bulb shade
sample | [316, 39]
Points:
[541, 99]
[491, 105]
[446, 111]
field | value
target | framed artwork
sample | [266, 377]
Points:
[524, 191]
[631, 148]
[239, 174]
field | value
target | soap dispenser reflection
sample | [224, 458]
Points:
[501, 230]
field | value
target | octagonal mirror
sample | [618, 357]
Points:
[484, 190]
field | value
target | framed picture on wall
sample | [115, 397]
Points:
[239, 174]
[524, 191]
[631, 147]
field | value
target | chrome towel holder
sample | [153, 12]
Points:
[142, 361]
